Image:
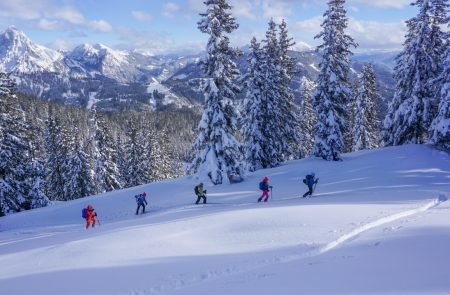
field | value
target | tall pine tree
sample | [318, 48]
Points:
[106, 174]
[366, 126]
[257, 149]
[440, 127]
[218, 153]
[307, 119]
[13, 149]
[332, 93]
[411, 110]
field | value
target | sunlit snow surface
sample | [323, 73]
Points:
[378, 223]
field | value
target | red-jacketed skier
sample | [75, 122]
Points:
[264, 186]
[90, 215]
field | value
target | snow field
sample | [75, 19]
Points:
[378, 224]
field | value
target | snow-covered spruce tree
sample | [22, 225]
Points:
[136, 164]
[13, 149]
[106, 172]
[78, 180]
[275, 109]
[332, 92]
[35, 172]
[161, 164]
[440, 127]
[411, 110]
[121, 160]
[307, 118]
[366, 128]
[257, 149]
[217, 153]
[56, 151]
[286, 104]
[440, 42]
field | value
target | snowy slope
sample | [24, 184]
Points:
[378, 223]
[19, 54]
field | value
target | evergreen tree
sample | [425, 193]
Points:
[366, 127]
[411, 110]
[35, 184]
[56, 150]
[106, 171]
[136, 155]
[257, 149]
[161, 166]
[440, 127]
[286, 106]
[78, 181]
[217, 151]
[121, 161]
[440, 42]
[13, 149]
[307, 119]
[332, 93]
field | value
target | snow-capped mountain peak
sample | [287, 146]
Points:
[19, 54]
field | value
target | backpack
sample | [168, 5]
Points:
[309, 180]
[197, 190]
[261, 185]
[83, 213]
[140, 199]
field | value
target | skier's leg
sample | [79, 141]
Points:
[266, 194]
[198, 200]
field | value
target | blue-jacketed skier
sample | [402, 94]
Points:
[141, 202]
[310, 181]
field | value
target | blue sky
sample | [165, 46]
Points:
[160, 26]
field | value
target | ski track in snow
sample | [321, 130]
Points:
[180, 281]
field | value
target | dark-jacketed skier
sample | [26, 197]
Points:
[310, 181]
[201, 193]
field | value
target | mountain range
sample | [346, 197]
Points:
[114, 80]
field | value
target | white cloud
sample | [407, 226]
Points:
[244, 8]
[196, 5]
[68, 14]
[384, 3]
[141, 15]
[49, 15]
[61, 44]
[21, 8]
[311, 25]
[277, 10]
[368, 34]
[170, 9]
[100, 25]
[377, 35]
[49, 25]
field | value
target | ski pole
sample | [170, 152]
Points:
[315, 184]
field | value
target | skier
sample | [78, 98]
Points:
[141, 201]
[264, 186]
[310, 181]
[90, 216]
[201, 194]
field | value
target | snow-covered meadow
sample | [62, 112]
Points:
[379, 223]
